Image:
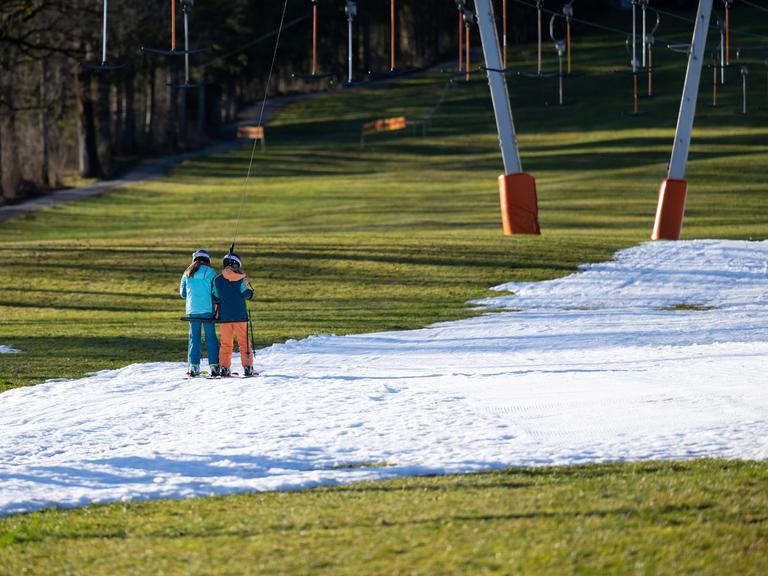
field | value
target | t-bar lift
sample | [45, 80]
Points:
[673, 191]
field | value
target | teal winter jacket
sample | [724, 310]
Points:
[198, 291]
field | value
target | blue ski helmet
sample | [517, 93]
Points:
[201, 255]
[232, 260]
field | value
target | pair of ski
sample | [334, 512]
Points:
[208, 376]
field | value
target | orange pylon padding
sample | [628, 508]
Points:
[519, 207]
[670, 211]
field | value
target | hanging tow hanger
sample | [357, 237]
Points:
[524, 72]
[469, 19]
[461, 6]
[568, 13]
[539, 70]
[538, 30]
[650, 41]
[392, 36]
[314, 74]
[560, 46]
[103, 65]
[726, 8]
[186, 8]
[635, 63]
[636, 68]
[393, 69]
[351, 11]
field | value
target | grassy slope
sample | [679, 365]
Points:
[707, 517]
[395, 236]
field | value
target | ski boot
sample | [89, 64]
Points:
[225, 372]
[248, 371]
[215, 371]
[194, 371]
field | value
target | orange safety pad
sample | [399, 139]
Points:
[670, 211]
[519, 207]
[228, 330]
[385, 125]
[252, 132]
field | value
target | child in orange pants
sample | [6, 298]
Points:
[230, 291]
[229, 331]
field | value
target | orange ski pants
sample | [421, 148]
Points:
[240, 330]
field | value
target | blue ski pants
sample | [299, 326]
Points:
[211, 342]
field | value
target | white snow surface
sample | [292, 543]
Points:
[602, 365]
[5, 349]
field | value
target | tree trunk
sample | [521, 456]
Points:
[170, 93]
[87, 156]
[119, 123]
[202, 125]
[2, 184]
[232, 112]
[366, 43]
[10, 158]
[103, 117]
[44, 145]
[149, 108]
[183, 135]
[129, 136]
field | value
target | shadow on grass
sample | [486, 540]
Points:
[44, 358]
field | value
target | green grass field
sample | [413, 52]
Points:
[706, 517]
[394, 236]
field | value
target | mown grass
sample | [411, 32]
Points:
[394, 236]
[705, 517]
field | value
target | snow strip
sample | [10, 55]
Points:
[659, 354]
[8, 349]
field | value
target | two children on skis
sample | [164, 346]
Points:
[212, 299]
[230, 291]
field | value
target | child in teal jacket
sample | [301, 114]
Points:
[197, 288]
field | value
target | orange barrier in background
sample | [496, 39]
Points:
[670, 210]
[253, 133]
[385, 125]
[382, 125]
[519, 206]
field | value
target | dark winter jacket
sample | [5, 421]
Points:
[230, 291]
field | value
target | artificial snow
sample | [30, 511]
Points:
[4, 349]
[659, 354]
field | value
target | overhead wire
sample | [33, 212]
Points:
[755, 6]
[261, 118]
[613, 30]
[255, 41]
[714, 25]
[579, 20]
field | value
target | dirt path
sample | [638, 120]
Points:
[150, 168]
